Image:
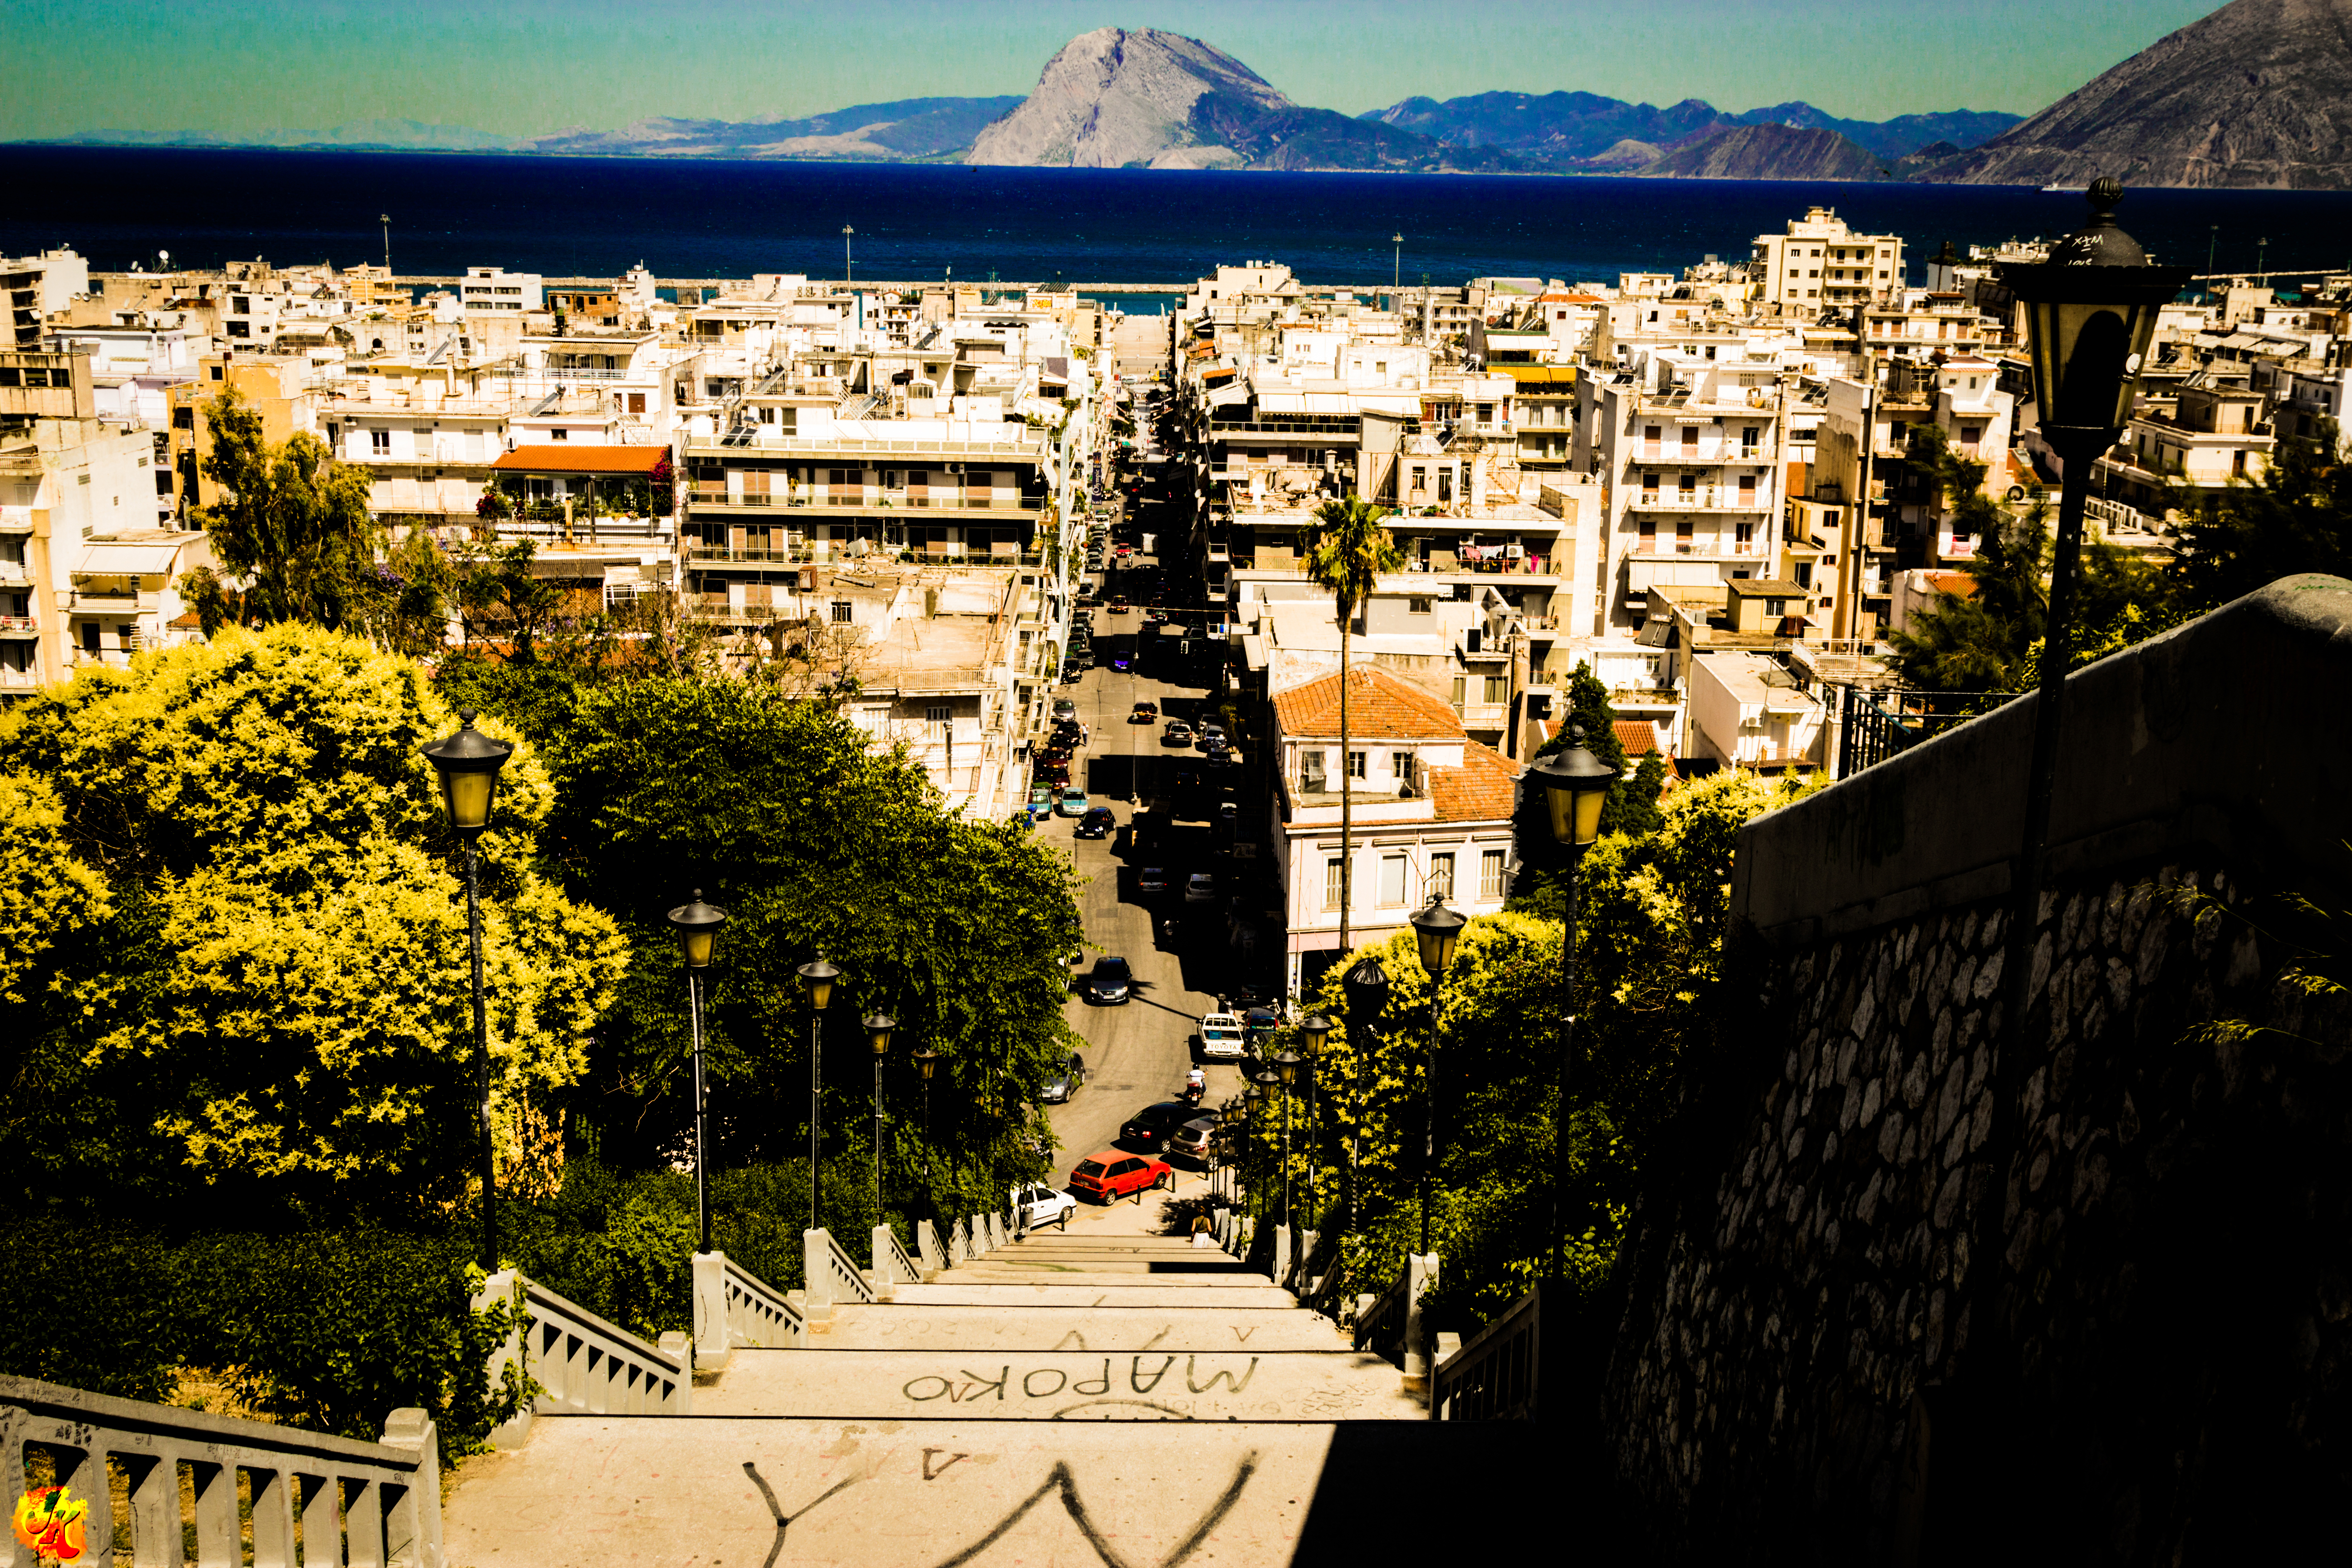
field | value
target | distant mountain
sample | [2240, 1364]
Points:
[2259, 93]
[372, 136]
[1568, 130]
[909, 130]
[1769, 153]
[1118, 98]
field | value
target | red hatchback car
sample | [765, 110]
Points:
[1110, 1175]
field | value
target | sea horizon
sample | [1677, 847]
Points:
[573, 215]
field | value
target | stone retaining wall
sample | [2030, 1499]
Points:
[1812, 1367]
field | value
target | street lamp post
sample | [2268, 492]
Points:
[878, 1030]
[1576, 786]
[467, 763]
[2091, 311]
[698, 926]
[1436, 930]
[1253, 1102]
[1286, 1067]
[848, 267]
[1366, 987]
[1316, 1033]
[1396, 269]
[820, 976]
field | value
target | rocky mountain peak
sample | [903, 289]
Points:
[1122, 96]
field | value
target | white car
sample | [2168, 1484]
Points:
[1041, 1206]
[1220, 1035]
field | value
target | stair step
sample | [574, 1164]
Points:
[1126, 1293]
[1062, 1385]
[978, 1327]
[620, 1492]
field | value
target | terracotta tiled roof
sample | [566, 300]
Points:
[564, 458]
[1379, 708]
[1637, 736]
[1483, 789]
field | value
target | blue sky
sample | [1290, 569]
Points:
[526, 67]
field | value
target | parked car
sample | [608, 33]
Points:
[1201, 887]
[1066, 708]
[1054, 773]
[1110, 982]
[1040, 800]
[1151, 879]
[1073, 803]
[1210, 726]
[1097, 823]
[1258, 1025]
[1214, 747]
[1034, 1209]
[1106, 1177]
[1058, 1089]
[1072, 674]
[1145, 713]
[1220, 1035]
[1119, 607]
[1195, 1140]
[1176, 733]
[1149, 1129]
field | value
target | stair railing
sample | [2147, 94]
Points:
[583, 1365]
[832, 1277]
[927, 1242]
[1495, 1376]
[734, 1308]
[892, 1267]
[358, 1502]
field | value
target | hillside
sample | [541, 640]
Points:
[1584, 129]
[1769, 153]
[2259, 93]
[911, 129]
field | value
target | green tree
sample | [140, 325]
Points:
[1346, 550]
[1625, 811]
[276, 1002]
[780, 811]
[292, 521]
[499, 598]
[2295, 518]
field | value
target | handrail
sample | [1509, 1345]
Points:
[733, 1307]
[380, 1502]
[892, 1267]
[927, 1242]
[832, 1277]
[586, 1365]
[959, 1244]
[1380, 1321]
[1494, 1377]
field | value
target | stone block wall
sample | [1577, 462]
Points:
[1813, 1366]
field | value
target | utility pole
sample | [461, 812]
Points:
[848, 269]
[1396, 267]
[386, 219]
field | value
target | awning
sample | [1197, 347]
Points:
[131, 559]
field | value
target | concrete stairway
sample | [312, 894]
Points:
[1223, 1422]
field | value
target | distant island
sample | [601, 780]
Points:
[2257, 94]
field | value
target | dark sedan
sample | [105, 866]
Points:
[1147, 1131]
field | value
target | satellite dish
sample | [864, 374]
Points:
[163, 256]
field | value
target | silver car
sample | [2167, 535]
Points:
[1195, 1140]
[1059, 1087]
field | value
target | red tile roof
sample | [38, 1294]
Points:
[564, 458]
[1379, 708]
[1639, 737]
[1483, 789]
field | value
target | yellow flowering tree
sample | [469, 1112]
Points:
[276, 999]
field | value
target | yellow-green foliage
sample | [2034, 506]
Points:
[296, 991]
[44, 887]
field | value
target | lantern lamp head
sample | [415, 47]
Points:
[820, 976]
[468, 763]
[878, 1030]
[698, 926]
[1576, 786]
[1437, 929]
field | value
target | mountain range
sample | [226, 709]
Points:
[2258, 93]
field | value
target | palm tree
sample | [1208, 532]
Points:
[1346, 550]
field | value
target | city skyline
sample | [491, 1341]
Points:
[139, 65]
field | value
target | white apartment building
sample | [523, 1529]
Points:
[1820, 264]
[1430, 808]
[494, 291]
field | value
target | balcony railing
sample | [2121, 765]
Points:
[1650, 544]
[1711, 498]
[1028, 448]
[18, 624]
[863, 500]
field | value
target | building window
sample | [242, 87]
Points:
[1416, 606]
[1490, 874]
[1441, 875]
[841, 611]
[380, 442]
[1391, 880]
[1310, 771]
[936, 714]
[1333, 874]
[1461, 691]
[1355, 765]
[1498, 688]
[1400, 765]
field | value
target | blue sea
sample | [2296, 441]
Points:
[596, 217]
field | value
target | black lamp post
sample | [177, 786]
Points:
[1576, 786]
[1286, 1067]
[820, 976]
[1366, 987]
[1436, 930]
[2091, 311]
[698, 926]
[878, 1030]
[1316, 1034]
[1253, 1102]
[468, 763]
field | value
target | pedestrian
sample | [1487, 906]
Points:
[1202, 1231]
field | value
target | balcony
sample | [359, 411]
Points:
[1733, 549]
[19, 680]
[1707, 500]
[1029, 447]
[18, 626]
[862, 501]
[107, 602]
